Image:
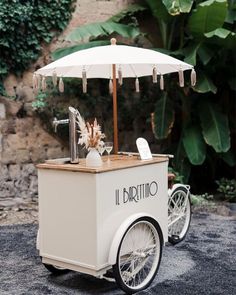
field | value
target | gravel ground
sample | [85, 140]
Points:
[205, 263]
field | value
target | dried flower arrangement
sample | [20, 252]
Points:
[90, 134]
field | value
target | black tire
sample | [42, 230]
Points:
[56, 270]
[138, 259]
[176, 236]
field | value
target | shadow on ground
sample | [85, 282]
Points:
[205, 263]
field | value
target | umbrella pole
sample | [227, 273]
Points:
[115, 124]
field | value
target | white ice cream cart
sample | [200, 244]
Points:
[114, 217]
[120, 215]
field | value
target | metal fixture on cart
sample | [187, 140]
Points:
[74, 158]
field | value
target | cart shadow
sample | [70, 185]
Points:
[84, 283]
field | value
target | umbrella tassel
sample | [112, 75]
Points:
[161, 82]
[120, 78]
[84, 81]
[61, 85]
[181, 78]
[110, 86]
[193, 78]
[54, 79]
[137, 85]
[38, 81]
[44, 84]
[35, 82]
[154, 75]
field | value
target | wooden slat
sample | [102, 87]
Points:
[115, 162]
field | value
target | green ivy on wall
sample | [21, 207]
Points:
[24, 26]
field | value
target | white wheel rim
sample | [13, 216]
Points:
[139, 255]
[178, 214]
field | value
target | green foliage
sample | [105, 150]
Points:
[96, 30]
[227, 189]
[208, 16]
[178, 6]
[100, 30]
[24, 26]
[40, 101]
[127, 13]
[229, 158]
[194, 145]
[201, 200]
[204, 84]
[164, 117]
[215, 127]
[159, 11]
[178, 177]
[204, 36]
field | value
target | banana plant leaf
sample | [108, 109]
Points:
[184, 168]
[159, 11]
[100, 29]
[205, 53]
[231, 15]
[208, 16]
[181, 162]
[228, 158]
[190, 53]
[179, 6]
[204, 84]
[128, 12]
[163, 117]
[215, 127]
[222, 37]
[194, 145]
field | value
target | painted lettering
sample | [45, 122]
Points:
[136, 193]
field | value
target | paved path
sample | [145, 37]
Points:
[205, 263]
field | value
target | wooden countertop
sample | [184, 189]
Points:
[116, 162]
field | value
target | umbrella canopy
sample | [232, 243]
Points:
[98, 61]
[112, 62]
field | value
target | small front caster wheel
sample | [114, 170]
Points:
[57, 270]
[139, 256]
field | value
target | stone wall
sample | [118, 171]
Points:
[24, 141]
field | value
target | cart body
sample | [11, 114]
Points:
[84, 212]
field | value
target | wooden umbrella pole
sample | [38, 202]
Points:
[114, 94]
[115, 123]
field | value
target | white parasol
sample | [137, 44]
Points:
[115, 62]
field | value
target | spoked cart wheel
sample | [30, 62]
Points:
[139, 256]
[179, 214]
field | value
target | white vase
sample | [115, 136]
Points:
[93, 158]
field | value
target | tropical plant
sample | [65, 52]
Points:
[196, 31]
[194, 123]
[92, 35]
